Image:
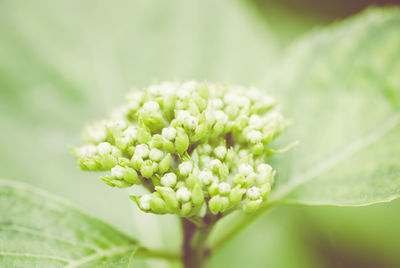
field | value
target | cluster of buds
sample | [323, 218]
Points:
[194, 146]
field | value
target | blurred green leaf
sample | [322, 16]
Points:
[367, 236]
[270, 242]
[341, 86]
[40, 230]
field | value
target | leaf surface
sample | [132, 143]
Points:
[38, 229]
[341, 87]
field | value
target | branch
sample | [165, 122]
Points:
[143, 252]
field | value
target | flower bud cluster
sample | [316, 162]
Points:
[193, 145]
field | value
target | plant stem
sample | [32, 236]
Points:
[142, 252]
[235, 224]
[194, 250]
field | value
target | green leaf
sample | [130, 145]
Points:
[40, 230]
[342, 89]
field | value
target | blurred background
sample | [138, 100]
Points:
[65, 63]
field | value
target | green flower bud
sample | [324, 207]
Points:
[186, 209]
[236, 195]
[131, 176]
[137, 162]
[165, 164]
[88, 164]
[223, 171]
[144, 135]
[230, 156]
[158, 205]
[147, 169]
[264, 190]
[181, 141]
[215, 204]
[252, 205]
[258, 148]
[156, 155]
[151, 115]
[169, 105]
[107, 161]
[200, 132]
[169, 197]
[197, 194]
[218, 129]
[213, 189]
[191, 181]
[224, 203]
[113, 182]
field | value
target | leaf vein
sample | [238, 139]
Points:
[99, 255]
[336, 158]
[28, 255]
[28, 230]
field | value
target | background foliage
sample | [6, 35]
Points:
[63, 63]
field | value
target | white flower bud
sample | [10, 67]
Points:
[217, 103]
[206, 149]
[221, 117]
[154, 90]
[245, 169]
[230, 97]
[117, 171]
[115, 151]
[116, 124]
[142, 150]
[253, 193]
[206, 177]
[87, 151]
[243, 153]
[254, 136]
[215, 163]
[151, 106]
[189, 86]
[169, 133]
[242, 101]
[185, 168]
[183, 194]
[224, 188]
[130, 132]
[168, 179]
[220, 152]
[156, 154]
[144, 201]
[104, 148]
[133, 100]
[125, 140]
[96, 133]
[182, 115]
[191, 122]
[256, 121]
[264, 169]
